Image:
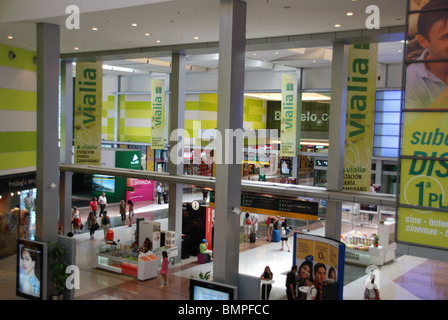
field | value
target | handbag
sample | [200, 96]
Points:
[95, 226]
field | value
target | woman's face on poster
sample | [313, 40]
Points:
[27, 262]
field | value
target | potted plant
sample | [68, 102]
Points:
[58, 265]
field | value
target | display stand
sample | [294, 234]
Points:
[148, 266]
[362, 250]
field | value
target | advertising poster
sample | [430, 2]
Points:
[289, 129]
[320, 262]
[31, 275]
[158, 114]
[423, 204]
[139, 190]
[88, 113]
[361, 92]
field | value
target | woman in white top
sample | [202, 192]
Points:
[76, 220]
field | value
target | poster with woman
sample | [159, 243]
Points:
[30, 267]
[320, 267]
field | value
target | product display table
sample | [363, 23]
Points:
[120, 259]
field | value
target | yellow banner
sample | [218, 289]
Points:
[424, 180]
[361, 90]
[289, 130]
[88, 113]
[158, 114]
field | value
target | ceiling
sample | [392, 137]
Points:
[167, 23]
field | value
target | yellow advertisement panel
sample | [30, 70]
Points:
[361, 90]
[423, 227]
[288, 126]
[158, 114]
[88, 113]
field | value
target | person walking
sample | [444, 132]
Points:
[131, 212]
[105, 223]
[92, 224]
[76, 220]
[159, 193]
[102, 201]
[123, 212]
[94, 206]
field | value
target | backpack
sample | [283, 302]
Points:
[268, 221]
[248, 221]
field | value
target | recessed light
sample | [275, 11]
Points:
[134, 24]
[276, 52]
[94, 28]
[337, 25]
[76, 48]
[350, 14]
[158, 41]
[10, 37]
[196, 38]
[147, 34]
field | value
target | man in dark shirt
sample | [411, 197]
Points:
[291, 283]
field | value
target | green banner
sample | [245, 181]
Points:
[361, 90]
[88, 112]
[158, 114]
[289, 133]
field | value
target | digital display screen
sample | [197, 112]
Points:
[102, 183]
[30, 257]
[208, 290]
[285, 166]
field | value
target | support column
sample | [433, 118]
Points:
[117, 113]
[175, 163]
[47, 162]
[65, 195]
[230, 116]
[338, 105]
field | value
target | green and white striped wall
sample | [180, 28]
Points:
[18, 103]
[200, 112]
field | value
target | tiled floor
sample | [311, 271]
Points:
[406, 278]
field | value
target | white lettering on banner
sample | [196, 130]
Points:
[72, 282]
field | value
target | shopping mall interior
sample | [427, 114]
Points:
[69, 136]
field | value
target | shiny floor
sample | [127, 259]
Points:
[406, 278]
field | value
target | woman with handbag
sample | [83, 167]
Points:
[92, 225]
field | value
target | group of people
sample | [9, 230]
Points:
[92, 223]
[277, 223]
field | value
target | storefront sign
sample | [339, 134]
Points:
[158, 114]
[139, 190]
[361, 90]
[88, 113]
[289, 133]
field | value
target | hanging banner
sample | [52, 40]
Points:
[361, 91]
[88, 113]
[158, 114]
[289, 130]
[423, 204]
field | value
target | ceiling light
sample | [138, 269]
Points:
[350, 14]
[196, 38]
[147, 34]
[76, 48]
[276, 52]
[134, 24]
[10, 37]
[337, 25]
[94, 28]
[158, 41]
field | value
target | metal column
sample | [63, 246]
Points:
[47, 162]
[230, 116]
[175, 165]
[338, 108]
[65, 195]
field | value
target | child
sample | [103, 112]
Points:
[164, 267]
